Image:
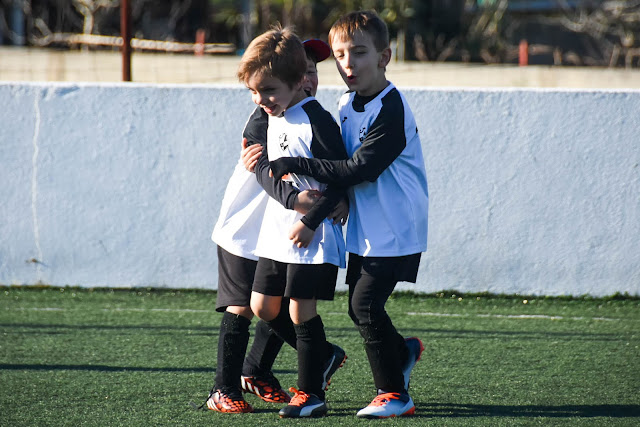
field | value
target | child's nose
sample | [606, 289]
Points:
[348, 63]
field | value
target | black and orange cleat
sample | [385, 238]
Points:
[266, 387]
[231, 402]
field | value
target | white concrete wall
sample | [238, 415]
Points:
[532, 191]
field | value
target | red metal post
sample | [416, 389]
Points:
[198, 49]
[523, 53]
[125, 31]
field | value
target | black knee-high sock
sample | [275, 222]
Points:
[283, 326]
[263, 351]
[232, 345]
[385, 348]
[312, 344]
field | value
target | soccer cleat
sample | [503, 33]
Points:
[330, 367]
[232, 403]
[387, 405]
[303, 405]
[415, 352]
[266, 387]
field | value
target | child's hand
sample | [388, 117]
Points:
[301, 235]
[340, 213]
[280, 167]
[305, 200]
[250, 155]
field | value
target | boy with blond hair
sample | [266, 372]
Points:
[236, 233]
[387, 229]
[295, 260]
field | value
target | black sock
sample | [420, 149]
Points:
[263, 352]
[311, 356]
[283, 326]
[232, 345]
[385, 348]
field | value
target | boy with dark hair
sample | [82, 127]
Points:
[236, 234]
[297, 260]
[387, 229]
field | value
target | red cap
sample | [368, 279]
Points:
[319, 48]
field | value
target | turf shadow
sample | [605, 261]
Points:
[99, 368]
[543, 335]
[107, 368]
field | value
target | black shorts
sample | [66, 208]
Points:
[394, 269]
[235, 279]
[302, 281]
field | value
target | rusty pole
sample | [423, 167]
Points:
[523, 53]
[125, 31]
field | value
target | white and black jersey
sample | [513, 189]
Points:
[388, 194]
[303, 130]
[244, 200]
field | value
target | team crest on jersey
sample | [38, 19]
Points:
[284, 142]
[363, 133]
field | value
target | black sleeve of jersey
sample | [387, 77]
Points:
[256, 128]
[256, 133]
[282, 191]
[384, 142]
[326, 144]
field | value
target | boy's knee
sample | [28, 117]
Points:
[354, 317]
[362, 312]
[264, 306]
[264, 312]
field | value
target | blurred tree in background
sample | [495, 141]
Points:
[576, 32]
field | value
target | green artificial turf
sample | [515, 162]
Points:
[71, 357]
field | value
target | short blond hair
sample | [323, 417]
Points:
[276, 53]
[366, 21]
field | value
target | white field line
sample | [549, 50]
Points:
[161, 310]
[411, 313]
[509, 316]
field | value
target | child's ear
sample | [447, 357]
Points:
[385, 57]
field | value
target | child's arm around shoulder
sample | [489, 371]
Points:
[311, 203]
[384, 142]
[327, 144]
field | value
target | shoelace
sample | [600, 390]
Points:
[381, 399]
[204, 404]
[299, 398]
